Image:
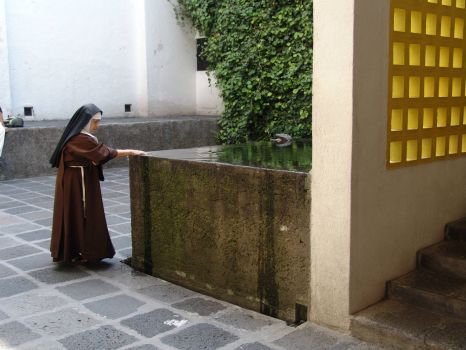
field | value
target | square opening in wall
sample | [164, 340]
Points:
[444, 57]
[398, 87]
[395, 152]
[445, 28]
[443, 88]
[398, 54]
[453, 144]
[414, 55]
[457, 58]
[128, 107]
[431, 56]
[397, 120]
[460, 4]
[428, 118]
[463, 143]
[411, 151]
[455, 117]
[441, 117]
[459, 28]
[431, 24]
[413, 119]
[202, 64]
[440, 145]
[426, 151]
[446, 2]
[28, 111]
[429, 87]
[456, 85]
[416, 22]
[414, 87]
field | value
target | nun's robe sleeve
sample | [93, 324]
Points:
[83, 146]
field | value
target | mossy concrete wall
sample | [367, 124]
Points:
[239, 234]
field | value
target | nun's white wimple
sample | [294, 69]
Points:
[87, 128]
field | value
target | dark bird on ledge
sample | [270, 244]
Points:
[282, 140]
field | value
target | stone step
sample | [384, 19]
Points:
[448, 257]
[432, 291]
[456, 230]
[397, 325]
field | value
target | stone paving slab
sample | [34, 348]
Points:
[6, 271]
[88, 289]
[102, 338]
[200, 336]
[108, 305]
[35, 235]
[58, 274]
[242, 319]
[61, 322]
[153, 323]
[15, 333]
[168, 293]
[32, 262]
[143, 347]
[34, 302]
[43, 244]
[253, 346]
[17, 251]
[20, 228]
[15, 285]
[3, 316]
[115, 307]
[6, 242]
[200, 306]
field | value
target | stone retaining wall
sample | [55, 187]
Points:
[236, 233]
[27, 150]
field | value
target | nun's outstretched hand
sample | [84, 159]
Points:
[130, 152]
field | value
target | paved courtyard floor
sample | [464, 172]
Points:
[48, 306]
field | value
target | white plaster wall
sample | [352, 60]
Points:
[171, 61]
[208, 100]
[5, 97]
[331, 162]
[64, 53]
[394, 212]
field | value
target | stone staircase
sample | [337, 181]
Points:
[425, 309]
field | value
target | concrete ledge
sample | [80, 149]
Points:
[27, 150]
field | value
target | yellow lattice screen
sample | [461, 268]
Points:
[427, 81]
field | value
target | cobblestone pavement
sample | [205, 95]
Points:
[47, 306]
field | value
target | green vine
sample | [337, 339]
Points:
[260, 53]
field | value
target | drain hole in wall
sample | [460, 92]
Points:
[28, 111]
[300, 314]
[128, 107]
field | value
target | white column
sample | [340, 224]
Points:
[171, 61]
[331, 162]
[5, 90]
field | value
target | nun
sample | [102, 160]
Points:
[79, 230]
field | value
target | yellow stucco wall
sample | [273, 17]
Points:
[426, 97]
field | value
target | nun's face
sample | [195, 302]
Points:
[95, 123]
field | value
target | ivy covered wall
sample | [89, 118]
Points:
[261, 55]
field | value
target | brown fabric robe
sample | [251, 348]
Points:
[79, 229]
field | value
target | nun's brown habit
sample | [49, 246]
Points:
[79, 227]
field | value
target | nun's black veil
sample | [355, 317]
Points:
[78, 121]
